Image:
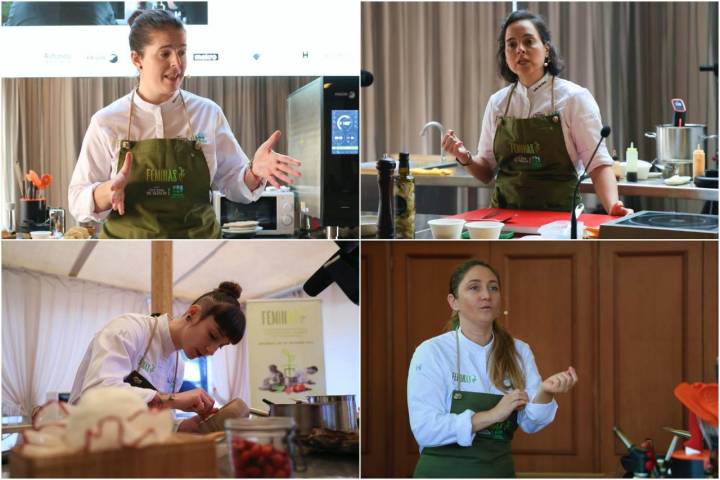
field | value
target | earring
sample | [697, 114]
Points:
[505, 312]
[547, 61]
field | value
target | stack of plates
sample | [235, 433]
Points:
[244, 229]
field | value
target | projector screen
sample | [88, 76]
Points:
[225, 37]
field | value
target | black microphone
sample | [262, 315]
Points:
[366, 78]
[604, 133]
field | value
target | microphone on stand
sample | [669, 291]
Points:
[604, 133]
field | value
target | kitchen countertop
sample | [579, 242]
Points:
[653, 187]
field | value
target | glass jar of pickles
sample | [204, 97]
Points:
[261, 447]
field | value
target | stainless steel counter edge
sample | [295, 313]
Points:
[643, 188]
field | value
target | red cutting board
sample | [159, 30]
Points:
[529, 221]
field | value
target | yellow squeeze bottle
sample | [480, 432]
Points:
[698, 162]
[631, 158]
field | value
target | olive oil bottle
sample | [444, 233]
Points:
[404, 199]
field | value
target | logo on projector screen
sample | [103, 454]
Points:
[206, 57]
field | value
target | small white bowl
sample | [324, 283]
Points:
[560, 230]
[643, 168]
[368, 226]
[446, 228]
[484, 229]
[40, 235]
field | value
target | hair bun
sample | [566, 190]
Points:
[131, 18]
[231, 288]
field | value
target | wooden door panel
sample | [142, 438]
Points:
[421, 273]
[710, 312]
[376, 436]
[650, 339]
[549, 297]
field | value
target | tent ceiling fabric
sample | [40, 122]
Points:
[260, 267]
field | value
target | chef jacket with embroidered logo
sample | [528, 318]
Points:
[579, 116]
[433, 377]
[108, 127]
[116, 350]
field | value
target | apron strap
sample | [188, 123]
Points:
[177, 358]
[152, 335]
[187, 116]
[507, 107]
[552, 96]
[132, 104]
[457, 350]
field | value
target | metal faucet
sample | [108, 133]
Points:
[439, 126]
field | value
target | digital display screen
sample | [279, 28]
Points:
[345, 132]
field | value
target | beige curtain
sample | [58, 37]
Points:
[436, 61]
[44, 121]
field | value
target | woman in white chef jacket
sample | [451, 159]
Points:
[538, 133]
[470, 388]
[150, 159]
[142, 352]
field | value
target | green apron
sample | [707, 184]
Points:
[168, 194]
[488, 456]
[535, 171]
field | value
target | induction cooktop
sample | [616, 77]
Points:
[661, 225]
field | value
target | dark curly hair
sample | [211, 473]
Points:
[222, 303]
[555, 63]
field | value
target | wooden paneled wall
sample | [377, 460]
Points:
[634, 318]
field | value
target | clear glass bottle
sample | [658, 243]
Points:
[404, 199]
[261, 447]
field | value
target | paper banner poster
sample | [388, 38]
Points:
[285, 350]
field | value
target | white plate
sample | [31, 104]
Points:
[241, 224]
[230, 233]
[677, 180]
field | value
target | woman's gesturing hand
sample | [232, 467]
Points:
[273, 166]
[454, 146]
[560, 382]
[119, 181]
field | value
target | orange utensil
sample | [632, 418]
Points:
[34, 178]
[45, 181]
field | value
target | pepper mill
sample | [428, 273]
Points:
[386, 224]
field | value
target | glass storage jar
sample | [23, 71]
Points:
[261, 447]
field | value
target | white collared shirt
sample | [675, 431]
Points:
[116, 350]
[579, 117]
[432, 377]
[98, 158]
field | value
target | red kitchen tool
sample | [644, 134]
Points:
[529, 221]
[39, 182]
[45, 180]
[701, 399]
